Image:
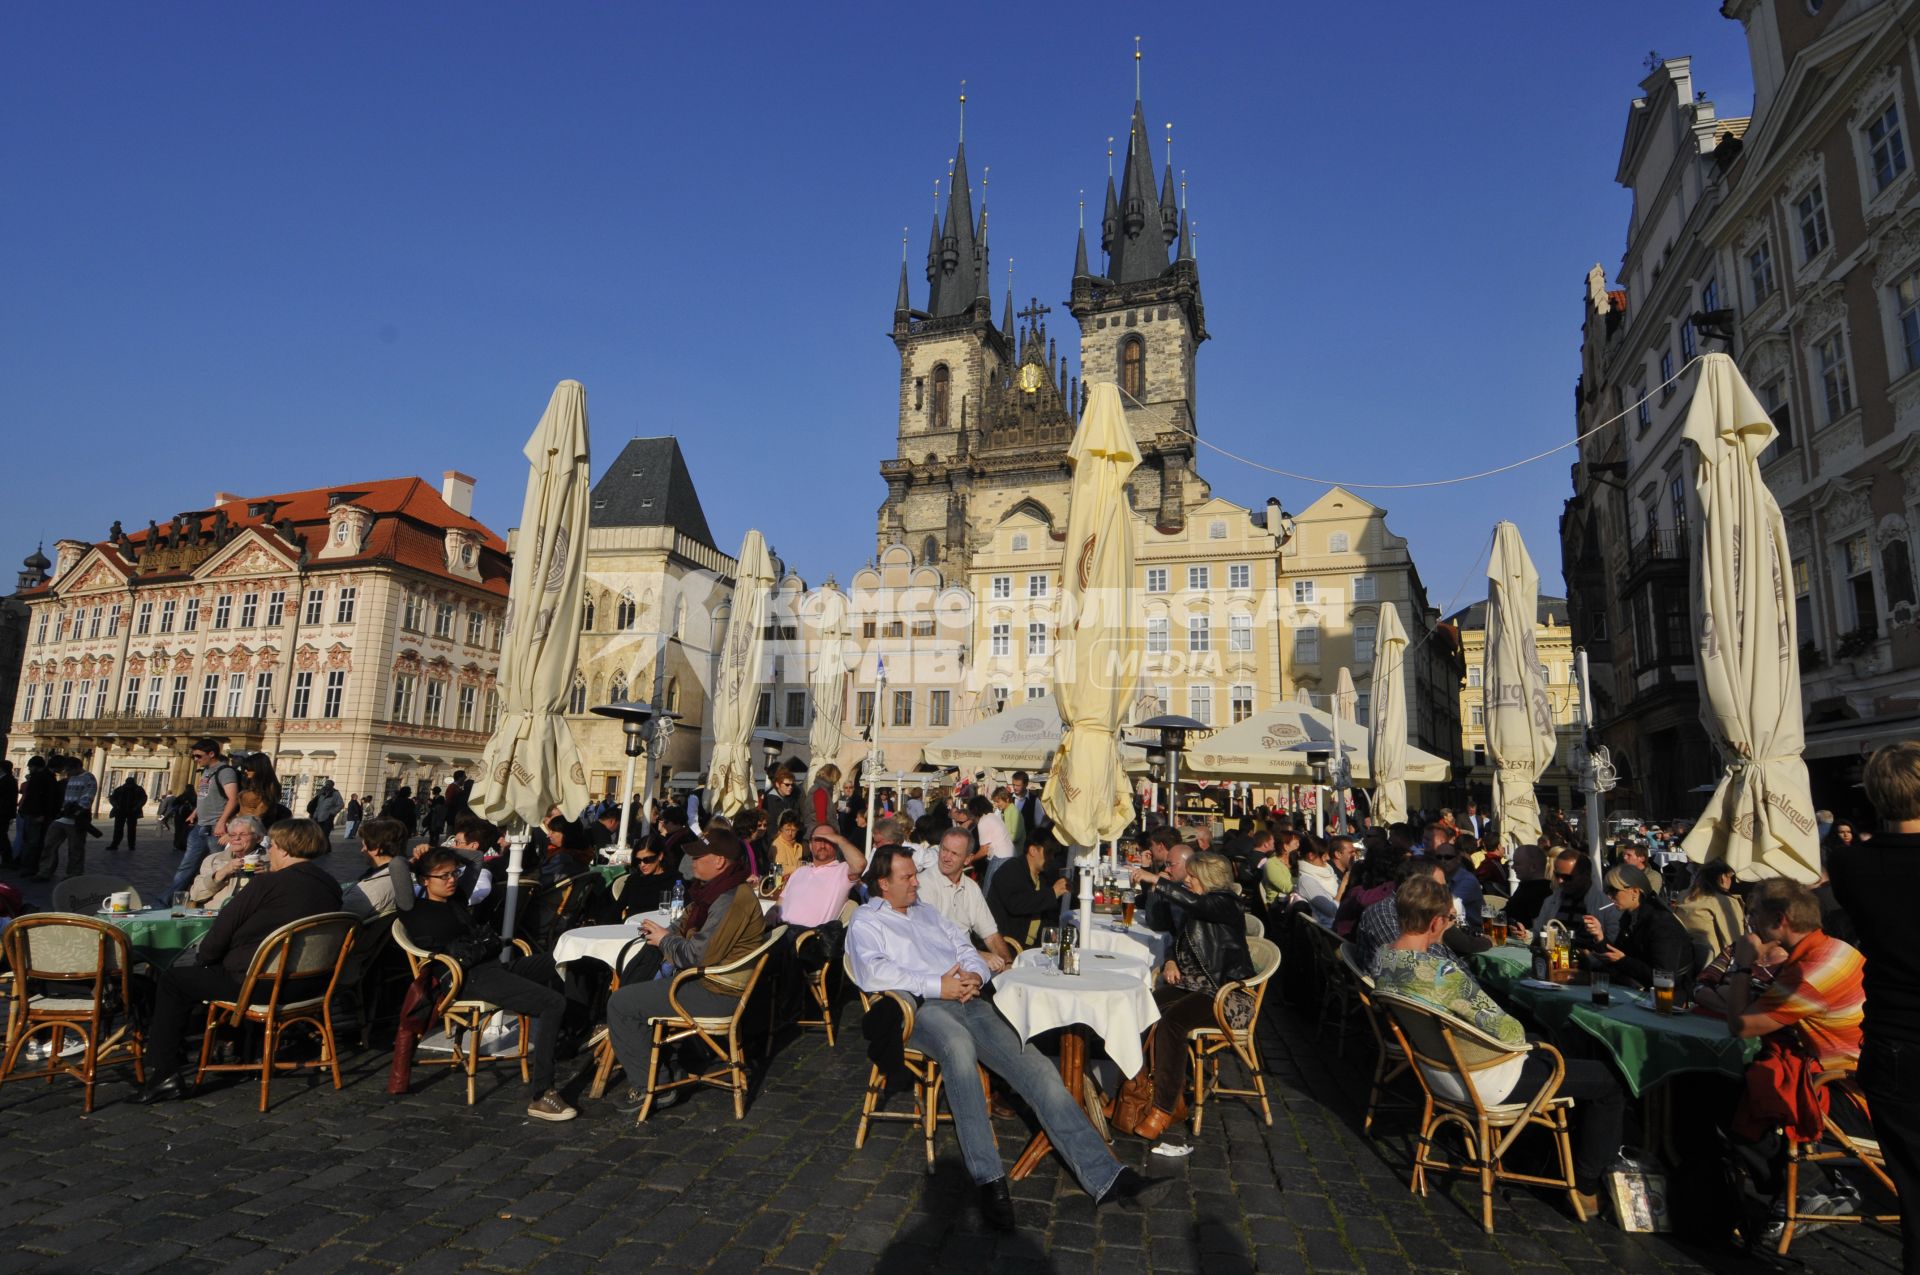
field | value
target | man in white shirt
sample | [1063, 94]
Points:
[948, 890]
[896, 943]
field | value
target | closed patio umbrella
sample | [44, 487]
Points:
[1346, 704]
[1387, 720]
[830, 675]
[1746, 652]
[736, 690]
[1519, 715]
[1097, 660]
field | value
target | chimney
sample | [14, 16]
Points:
[225, 498]
[67, 555]
[456, 489]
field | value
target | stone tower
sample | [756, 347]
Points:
[1142, 323]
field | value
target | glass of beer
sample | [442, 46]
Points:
[1663, 996]
[1126, 909]
[1498, 931]
[1600, 982]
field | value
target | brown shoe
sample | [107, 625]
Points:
[551, 1106]
[1589, 1205]
[1155, 1124]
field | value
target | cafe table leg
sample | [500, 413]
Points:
[1073, 1071]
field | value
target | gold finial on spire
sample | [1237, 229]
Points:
[1136, 68]
[963, 110]
[1169, 143]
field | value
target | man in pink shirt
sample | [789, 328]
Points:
[811, 900]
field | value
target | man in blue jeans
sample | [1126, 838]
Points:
[898, 944]
[216, 798]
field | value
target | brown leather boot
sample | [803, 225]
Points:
[1156, 1123]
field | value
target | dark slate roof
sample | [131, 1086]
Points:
[648, 485]
[1139, 254]
[1552, 611]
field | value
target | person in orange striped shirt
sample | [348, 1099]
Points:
[1818, 989]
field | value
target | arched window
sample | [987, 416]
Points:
[929, 551]
[1133, 367]
[624, 614]
[673, 695]
[577, 697]
[587, 626]
[617, 688]
[937, 408]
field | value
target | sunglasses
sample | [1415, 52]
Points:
[1563, 877]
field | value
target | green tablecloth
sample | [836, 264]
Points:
[1646, 1047]
[158, 937]
[610, 872]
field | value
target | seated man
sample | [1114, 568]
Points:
[294, 887]
[1321, 875]
[1379, 924]
[473, 837]
[217, 879]
[948, 890]
[814, 892]
[1460, 878]
[1161, 914]
[384, 842]
[898, 944]
[1023, 896]
[1418, 967]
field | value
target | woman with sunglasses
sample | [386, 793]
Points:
[1576, 896]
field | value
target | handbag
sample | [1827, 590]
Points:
[1638, 1190]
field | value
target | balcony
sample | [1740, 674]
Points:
[149, 725]
[1659, 554]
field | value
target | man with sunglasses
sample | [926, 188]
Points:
[1439, 847]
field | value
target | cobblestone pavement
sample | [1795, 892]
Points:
[355, 1181]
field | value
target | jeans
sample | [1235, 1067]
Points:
[1599, 1112]
[1890, 1078]
[28, 836]
[629, 1009]
[962, 1035]
[199, 846]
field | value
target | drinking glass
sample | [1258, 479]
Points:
[1663, 995]
[180, 901]
[1499, 932]
[1050, 943]
[1601, 983]
[1126, 909]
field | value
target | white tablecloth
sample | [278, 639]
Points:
[1106, 935]
[1095, 962]
[602, 943]
[1115, 1004]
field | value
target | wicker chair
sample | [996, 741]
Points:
[82, 894]
[604, 1060]
[1209, 1044]
[924, 1070]
[1836, 1146]
[1390, 1061]
[310, 948]
[1440, 1044]
[1338, 1006]
[721, 1034]
[368, 971]
[80, 955]
[463, 1014]
[817, 984]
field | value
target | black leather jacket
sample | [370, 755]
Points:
[1214, 932]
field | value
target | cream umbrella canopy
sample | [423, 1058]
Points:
[736, 690]
[830, 674]
[1387, 720]
[1346, 697]
[1747, 653]
[1519, 715]
[1096, 662]
[1346, 705]
[531, 759]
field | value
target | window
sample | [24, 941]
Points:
[1362, 708]
[626, 613]
[1642, 409]
[1810, 214]
[896, 628]
[1886, 148]
[903, 708]
[940, 708]
[1240, 576]
[1803, 601]
[249, 609]
[863, 709]
[1666, 375]
[1156, 580]
[1199, 634]
[177, 702]
[1036, 692]
[1306, 646]
[1475, 675]
[236, 693]
[336, 689]
[923, 628]
[263, 693]
[343, 613]
[1037, 638]
[436, 702]
[937, 406]
[209, 694]
[223, 611]
[869, 628]
[113, 620]
[403, 697]
[463, 712]
[1002, 587]
[129, 704]
[93, 622]
[40, 637]
[796, 708]
[1337, 542]
[1000, 640]
[276, 608]
[1896, 573]
[493, 706]
[1217, 529]
[577, 696]
[1364, 589]
[1363, 635]
[33, 693]
[1019, 542]
[999, 699]
[60, 627]
[1710, 295]
[617, 687]
[1200, 703]
[1760, 271]
[86, 698]
[1835, 385]
[1239, 633]
[476, 628]
[411, 614]
[443, 620]
[1677, 504]
[1303, 591]
[1199, 579]
[1133, 367]
[1037, 586]
[1239, 703]
[315, 599]
[1477, 714]
[1857, 564]
[1906, 300]
[1157, 635]
[66, 696]
[1774, 396]
[1688, 341]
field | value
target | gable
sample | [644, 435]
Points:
[248, 554]
[91, 574]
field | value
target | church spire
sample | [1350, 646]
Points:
[1080, 270]
[1169, 210]
[959, 280]
[903, 301]
[1139, 248]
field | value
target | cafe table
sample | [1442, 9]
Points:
[1647, 1047]
[610, 872]
[1106, 934]
[158, 935]
[1111, 997]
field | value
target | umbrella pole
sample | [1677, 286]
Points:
[620, 852]
[1589, 782]
[516, 856]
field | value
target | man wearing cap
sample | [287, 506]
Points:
[898, 944]
[722, 924]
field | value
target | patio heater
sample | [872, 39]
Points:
[1173, 730]
[635, 718]
[1318, 757]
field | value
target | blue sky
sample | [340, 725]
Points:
[262, 247]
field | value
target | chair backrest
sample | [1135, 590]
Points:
[1350, 958]
[1266, 960]
[415, 953]
[1442, 1043]
[371, 939]
[306, 948]
[82, 894]
[64, 947]
[1256, 928]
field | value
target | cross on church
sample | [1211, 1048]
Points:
[1034, 310]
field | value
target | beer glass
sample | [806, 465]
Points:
[1663, 995]
[1600, 983]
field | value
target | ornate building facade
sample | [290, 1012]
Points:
[348, 632]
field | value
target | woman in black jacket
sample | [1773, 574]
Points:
[1208, 952]
[1649, 938]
